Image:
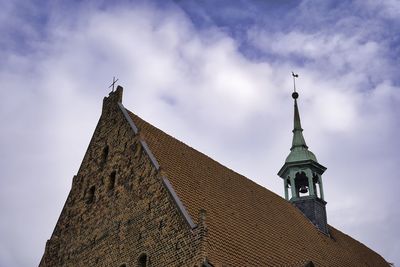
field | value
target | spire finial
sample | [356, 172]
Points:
[295, 95]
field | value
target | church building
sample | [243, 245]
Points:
[142, 198]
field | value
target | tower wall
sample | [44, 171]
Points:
[314, 209]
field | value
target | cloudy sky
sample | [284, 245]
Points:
[214, 74]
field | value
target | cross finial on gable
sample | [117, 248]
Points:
[114, 98]
[113, 84]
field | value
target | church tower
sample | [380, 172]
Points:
[303, 175]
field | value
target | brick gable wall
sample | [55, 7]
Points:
[128, 215]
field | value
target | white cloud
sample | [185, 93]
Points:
[385, 8]
[329, 54]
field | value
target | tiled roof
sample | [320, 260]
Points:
[248, 225]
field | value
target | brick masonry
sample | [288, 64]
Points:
[119, 209]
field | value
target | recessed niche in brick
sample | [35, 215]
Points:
[161, 225]
[111, 180]
[142, 261]
[104, 156]
[90, 195]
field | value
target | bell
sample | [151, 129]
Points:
[303, 189]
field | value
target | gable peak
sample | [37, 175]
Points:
[113, 98]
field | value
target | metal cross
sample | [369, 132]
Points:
[113, 84]
[294, 80]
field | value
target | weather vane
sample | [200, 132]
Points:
[113, 84]
[295, 95]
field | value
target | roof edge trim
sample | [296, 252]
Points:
[128, 118]
[178, 202]
[150, 154]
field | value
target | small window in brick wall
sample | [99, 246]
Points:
[142, 261]
[90, 195]
[111, 181]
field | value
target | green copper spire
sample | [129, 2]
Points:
[298, 138]
[302, 175]
[299, 150]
